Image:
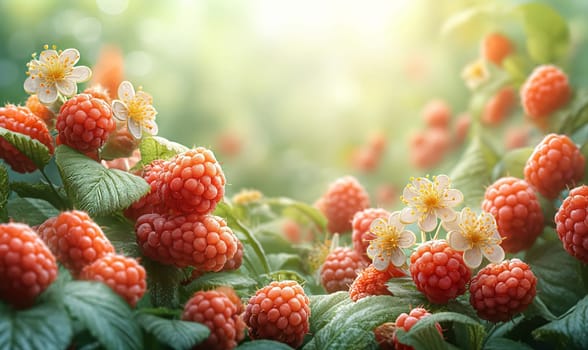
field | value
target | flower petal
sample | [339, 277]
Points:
[151, 127]
[457, 241]
[126, 91]
[47, 95]
[408, 215]
[406, 239]
[134, 128]
[47, 55]
[372, 251]
[377, 226]
[452, 197]
[120, 110]
[381, 262]
[397, 257]
[67, 87]
[408, 194]
[428, 222]
[451, 225]
[446, 214]
[442, 182]
[494, 253]
[69, 57]
[80, 74]
[472, 257]
[421, 182]
[394, 221]
[31, 85]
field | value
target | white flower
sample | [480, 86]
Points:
[475, 74]
[391, 237]
[475, 236]
[54, 73]
[136, 108]
[426, 200]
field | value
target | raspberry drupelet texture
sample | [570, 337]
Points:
[407, 321]
[344, 197]
[151, 202]
[340, 269]
[84, 123]
[40, 110]
[371, 281]
[361, 235]
[572, 223]
[27, 266]
[124, 275]
[279, 311]
[439, 271]
[202, 241]
[75, 239]
[23, 121]
[220, 314]
[384, 335]
[556, 163]
[517, 211]
[546, 90]
[437, 114]
[499, 106]
[495, 47]
[500, 291]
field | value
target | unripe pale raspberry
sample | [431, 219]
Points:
[151, 202]
[361, 234]
[437, 114]
[439, 271]
[556, 163]
[546, 90]
[572, 223]
[499, 106]
[495, 47]
[124, 275]
[40, 110]
[407, 321]
[23, 121]
[279, 311]
[372, 281]
[517, 211]
[340, 269]
[202, 241]
[27, 266]
[500, 291]
[84, 123]
[75, 239]
[219, 313]
[192, 182]
[344, 197]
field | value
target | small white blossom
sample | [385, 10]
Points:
[475, 74]
[390, 238]
[136, 108]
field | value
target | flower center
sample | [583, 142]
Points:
[478, 233]
[429, 197]
[139, 110]
[388, 239]
[52, 70]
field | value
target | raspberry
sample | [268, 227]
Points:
[235, 262]
[517, 211]
[151, 202]
[193, 182]
[340, 269]
[344, 197]
[84, 123]
[437, 114]
[219, 313]
[407, 321]
[384, 335]
[496, 47]
[556, 163]
[21, 120]
[122, 274]
[108, 71]
[40, 110]
[361, 234]
[27, 266]
[545, 90]
[365, 159]
[120, 143]
[439, 271]
[500, 291]
[571, 223]
[462, 127]
[516, 137]
[386, 195]
[499, 106]
[371, 281]
[428, 147]
[205, 242]
[75, 239]
[124, 164]
[279, 311]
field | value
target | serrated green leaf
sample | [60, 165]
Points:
[355, 338]
[504, 343]
[156, 147]
[283, 261]
[39, 190]
[31, 211]
[176, 334]
[570, 330]
[103, 313]
[216, 279]
[94, 188]
[273, 242]
[545, 43]
[43, 326]
[121, 233]
[263, 344]
[37, 152]
[324, 307]
[4, 191]
[513, 163]
[422, 338]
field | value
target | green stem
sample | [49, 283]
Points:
[54, 190]
[437, 231]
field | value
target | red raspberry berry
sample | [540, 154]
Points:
[99, 92]
[407, 321]
[516, 137]
[120, 144]
[279, 311]
[235, 262]
[340, 269]
[40, 110]
[437, 114]
[193, 182]
[22, 120]
[572, 223]
[517, 211]
[344, 197]
[556, 163]
[371, 281]
[545, 90]
[499, 106]
[428, 147]
[108, 71]
[84, 123]
[75, 239]
[205, 242]
[439, 271]
[124, 275]
[462, 127]
[27, 266]
[361, 234]
[384, 335]
[496, 47]
[151, 202]
[215, 310]
[500, 291]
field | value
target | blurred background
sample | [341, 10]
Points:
[291, 95]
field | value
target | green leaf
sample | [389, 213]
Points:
[309, 211]
[39, 190]
[570, 330]
[283, 261]
[422, 337]
[156, 147]
[324, 307]
[121, 233]
[176, 334]
[37, 152]
[355, 338]
[43, 326]
[103, 313]
[513, 163]
[545, 43]
[216, 279]
[504, 343]
[424, 331]
[475, 21]
[94, 188]
[4, 192]
[263, 344]
[273, 242]
[31, 211]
